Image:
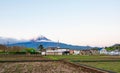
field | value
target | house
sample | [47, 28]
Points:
[71, 52]
[94, 51]
[56, 51]
[43, 53]
[76, 52]
[85, 52]
[102, 51]
[114, 52]
[89, 52]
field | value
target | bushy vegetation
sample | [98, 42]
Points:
[29, 50]
[16, 50]
[114, 47]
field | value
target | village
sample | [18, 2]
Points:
[67, 51]
[60, 51]
[55, 57]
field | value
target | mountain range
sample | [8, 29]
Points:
[35, 42]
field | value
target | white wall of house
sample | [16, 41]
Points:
[103, 51]
[42, 53]
[50, 50]
[113, 53]
[58, 51]
[76, 52]
[62, 50]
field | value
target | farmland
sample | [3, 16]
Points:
[83, 58]
[34, 64]
[21, 57]
[113, 66]
[38, 67]
[111, 63]
[51, 64]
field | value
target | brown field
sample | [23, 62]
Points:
[48, 64]
[38, 67]
[21, 57]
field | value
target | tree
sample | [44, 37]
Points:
[29, 50]
[40, 47]
[109, 48]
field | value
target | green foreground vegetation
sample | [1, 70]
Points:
[99, 61]
[82, 57]
[112, 66]
[20, 50]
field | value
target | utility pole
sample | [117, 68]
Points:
[58, 44]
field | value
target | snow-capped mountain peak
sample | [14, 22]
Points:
[41, 39]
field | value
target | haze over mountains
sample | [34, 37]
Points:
[35, 42]
[8, 40]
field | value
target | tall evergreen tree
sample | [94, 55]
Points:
[40, 47]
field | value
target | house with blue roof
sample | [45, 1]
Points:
[102, 50]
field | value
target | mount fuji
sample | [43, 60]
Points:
[42, 40]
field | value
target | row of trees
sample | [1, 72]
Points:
[20, 50]
[114, 47]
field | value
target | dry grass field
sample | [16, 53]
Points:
[43, 65]
[38, 67]
[50, 64]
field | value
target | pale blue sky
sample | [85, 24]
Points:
[79, 22]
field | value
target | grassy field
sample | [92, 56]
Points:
[58, 57]
[102, 62]
[78, 57]
[113, 66]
